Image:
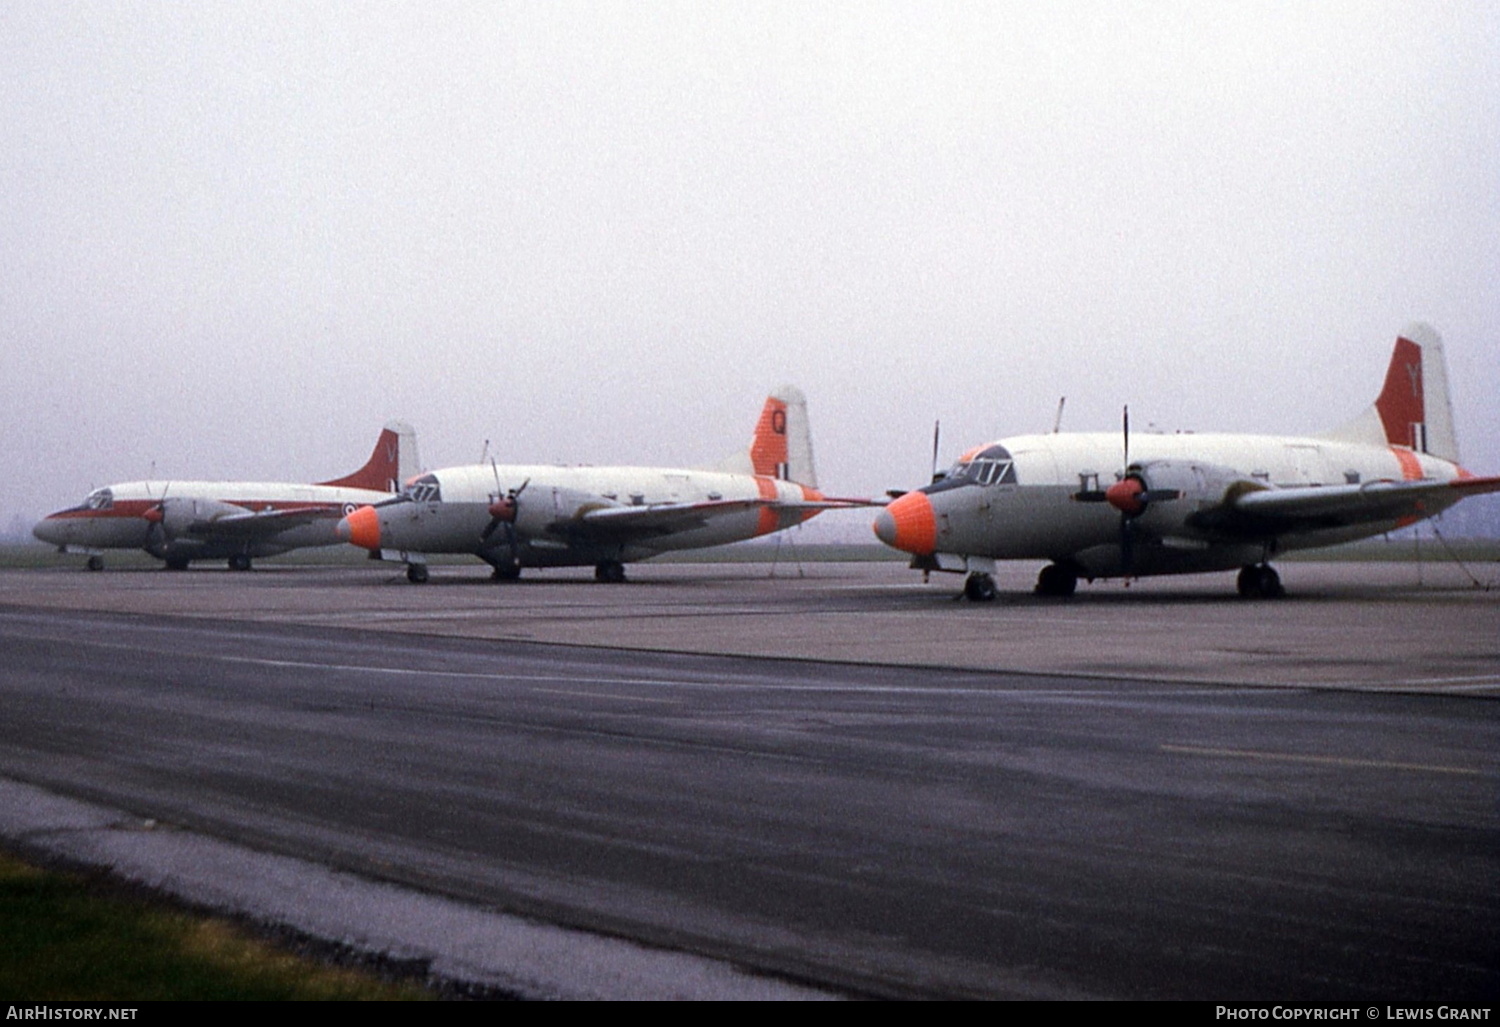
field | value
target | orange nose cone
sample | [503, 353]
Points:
[908, 524]
[361, 528]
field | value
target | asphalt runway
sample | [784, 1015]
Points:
[867, 827]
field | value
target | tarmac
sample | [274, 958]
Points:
[1399, 626]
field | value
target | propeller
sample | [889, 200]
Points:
[155, 517]
[1127, 496]
[1131, 495]
[937, 427]
[504, 508]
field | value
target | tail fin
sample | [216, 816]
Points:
[782, 445]
[393, 461]
[1413, 409]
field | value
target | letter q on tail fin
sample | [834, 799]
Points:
[1413, 409]
[393, 461]
[781, 446]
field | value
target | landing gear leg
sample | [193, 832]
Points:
[612, 571]
[96, 563]
[1056, 580]
[1259, 581]
[979, 588]
[416, 573]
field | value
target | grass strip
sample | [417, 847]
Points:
[80, 937]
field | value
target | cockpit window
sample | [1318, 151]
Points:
[423, 490]
[990, 466]
[990, 472]
[100, 499]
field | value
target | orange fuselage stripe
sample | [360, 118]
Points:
[1411, 467]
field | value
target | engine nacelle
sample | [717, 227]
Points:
[183, 517]
[549, 511]
[1177, 493]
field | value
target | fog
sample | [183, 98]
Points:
[237, 238]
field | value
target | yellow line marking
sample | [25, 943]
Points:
[1337, 761]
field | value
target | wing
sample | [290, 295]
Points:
[250, 525]
[619, 523]
[1272, 511]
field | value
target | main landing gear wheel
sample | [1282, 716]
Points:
[416, 573]
[239, 562]
[1056, 580]
[1259, 581]
[506, 574]
[611, 571]
[979, 588]
[177, 563]
[96, 563]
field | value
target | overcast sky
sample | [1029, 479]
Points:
[237, 238]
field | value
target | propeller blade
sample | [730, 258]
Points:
[504, 510]
[515, 545]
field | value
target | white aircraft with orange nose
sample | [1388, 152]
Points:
[531, 515]
[1189, 503]
[181, 521]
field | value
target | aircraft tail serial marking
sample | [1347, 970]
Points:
[1400, 403]
[1413, 409]
[393, 461]
[781, 446]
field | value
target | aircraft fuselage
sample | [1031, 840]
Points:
[179, 521]
[1037, 509]
[450, 511]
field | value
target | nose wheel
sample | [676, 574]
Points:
[979, 588]
[611, 571]
[416, 573]
[1259, 581]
